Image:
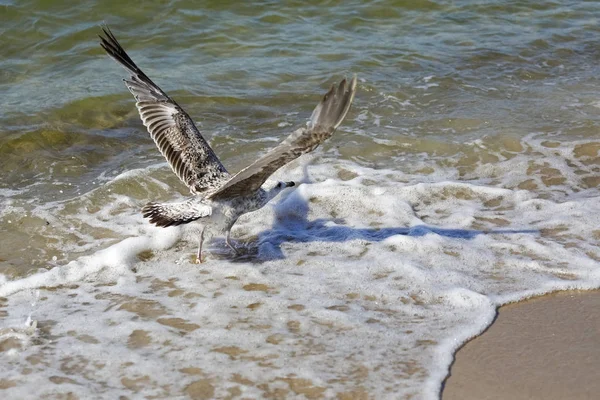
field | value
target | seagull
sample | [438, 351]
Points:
[218, 197]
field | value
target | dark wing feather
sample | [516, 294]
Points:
[326, 117]
[173, 131]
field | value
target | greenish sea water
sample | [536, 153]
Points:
[436, 77]
[500, 94]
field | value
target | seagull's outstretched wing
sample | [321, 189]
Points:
[326, 117]
[173, 131]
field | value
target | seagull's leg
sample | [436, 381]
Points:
[236, 252]
[199, 254]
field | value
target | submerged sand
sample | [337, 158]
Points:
[542, 348]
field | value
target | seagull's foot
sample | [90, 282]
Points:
[236, 251]
[199, 252]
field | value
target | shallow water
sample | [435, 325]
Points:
[465, 176]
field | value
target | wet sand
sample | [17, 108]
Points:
[544, 348]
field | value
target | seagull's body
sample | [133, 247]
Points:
[219, 198]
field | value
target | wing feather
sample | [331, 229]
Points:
[173, 131]
[326, 117]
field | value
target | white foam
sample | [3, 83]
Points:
[350, 286]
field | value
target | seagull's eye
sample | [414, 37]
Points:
[279, 184]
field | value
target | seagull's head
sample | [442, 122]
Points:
[274, 187]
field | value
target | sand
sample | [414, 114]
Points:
[543, 348]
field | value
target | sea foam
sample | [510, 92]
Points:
[358, 281]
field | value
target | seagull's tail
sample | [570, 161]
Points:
[171, 214]
[332, 110]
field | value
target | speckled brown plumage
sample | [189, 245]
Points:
[173, 131]
[219, 197]
[326, 117]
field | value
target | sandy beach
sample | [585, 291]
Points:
[543, 348]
